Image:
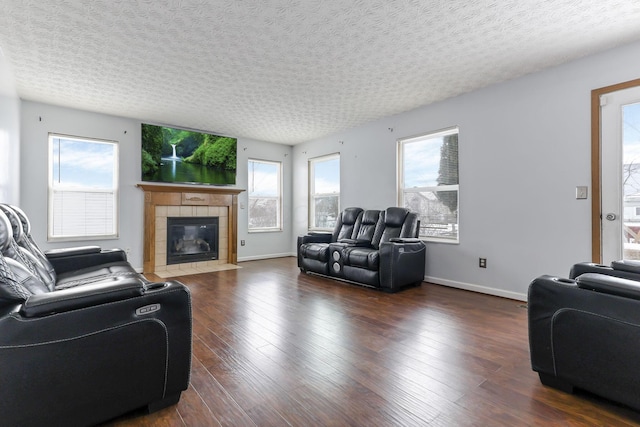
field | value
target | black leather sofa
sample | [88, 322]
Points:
[106, 344]
[379, 249]
[583, 330]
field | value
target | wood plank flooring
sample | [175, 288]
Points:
[275, 347]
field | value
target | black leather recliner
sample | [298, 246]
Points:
[381, 251]
[313, 249]
[583, 331]
[62, 268]
[83, 355]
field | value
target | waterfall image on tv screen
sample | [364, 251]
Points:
[184, 156]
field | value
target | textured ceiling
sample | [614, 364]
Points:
[289, 71]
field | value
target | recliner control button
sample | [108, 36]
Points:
[147, 309]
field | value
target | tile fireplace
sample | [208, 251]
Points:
[162, 202]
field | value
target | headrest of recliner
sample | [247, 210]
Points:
[350, 215]
[6, 232]
[26, 225]
[394, 216]
[370, 217]
[14, 220]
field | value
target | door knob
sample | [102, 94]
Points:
[611, 217]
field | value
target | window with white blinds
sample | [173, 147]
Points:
[83, 188]
[428, 183]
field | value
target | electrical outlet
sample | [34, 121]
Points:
[482, 263]
[241, 242]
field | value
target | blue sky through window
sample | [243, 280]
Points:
[263, 179]
[422, 168]
[327, 176]
[83, 164]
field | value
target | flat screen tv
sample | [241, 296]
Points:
[185, 156]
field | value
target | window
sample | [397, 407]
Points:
[83, 188]
[324, 192]
[428, 177]
[265, 195]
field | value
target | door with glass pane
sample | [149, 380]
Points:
[620, 174]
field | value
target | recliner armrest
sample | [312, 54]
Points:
[628, 265]
[623, 269]
[405, 240]
[316, 238]
[70, 260]
[82, 296]
[609, 285]
[78, 250]
[361, 243]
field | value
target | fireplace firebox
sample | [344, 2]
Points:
[192, 239]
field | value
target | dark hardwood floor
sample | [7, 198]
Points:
[274, 347]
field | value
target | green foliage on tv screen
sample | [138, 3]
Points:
[215, 151]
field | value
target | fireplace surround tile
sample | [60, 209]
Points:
[162, 201]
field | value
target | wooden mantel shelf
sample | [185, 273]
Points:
[158, 188]
[187, 195]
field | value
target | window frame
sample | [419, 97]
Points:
[312, 195]
[402, 191]
[52, 189]
[278, 226]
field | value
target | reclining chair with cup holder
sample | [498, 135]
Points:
[378, 249]
[583, 331]
[110, 344]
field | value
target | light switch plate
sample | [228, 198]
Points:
[582, 191]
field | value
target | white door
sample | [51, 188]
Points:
[620, 163]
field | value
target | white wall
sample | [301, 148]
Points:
[9, 136]
[38, 120]
[524, 146]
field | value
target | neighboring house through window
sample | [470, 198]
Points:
[265, 195]
[324, 192]
[83, 188]
[428, 183]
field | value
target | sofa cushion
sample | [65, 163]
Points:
[398, 222]
[315, 251]
[393, 220]
[368, 225]
[368, 258]
[347, 224]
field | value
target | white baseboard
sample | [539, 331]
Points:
[259, 257]
[477, 288]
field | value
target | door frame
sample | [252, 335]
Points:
[596, 166]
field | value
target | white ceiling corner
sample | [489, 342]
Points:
[289, 71]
